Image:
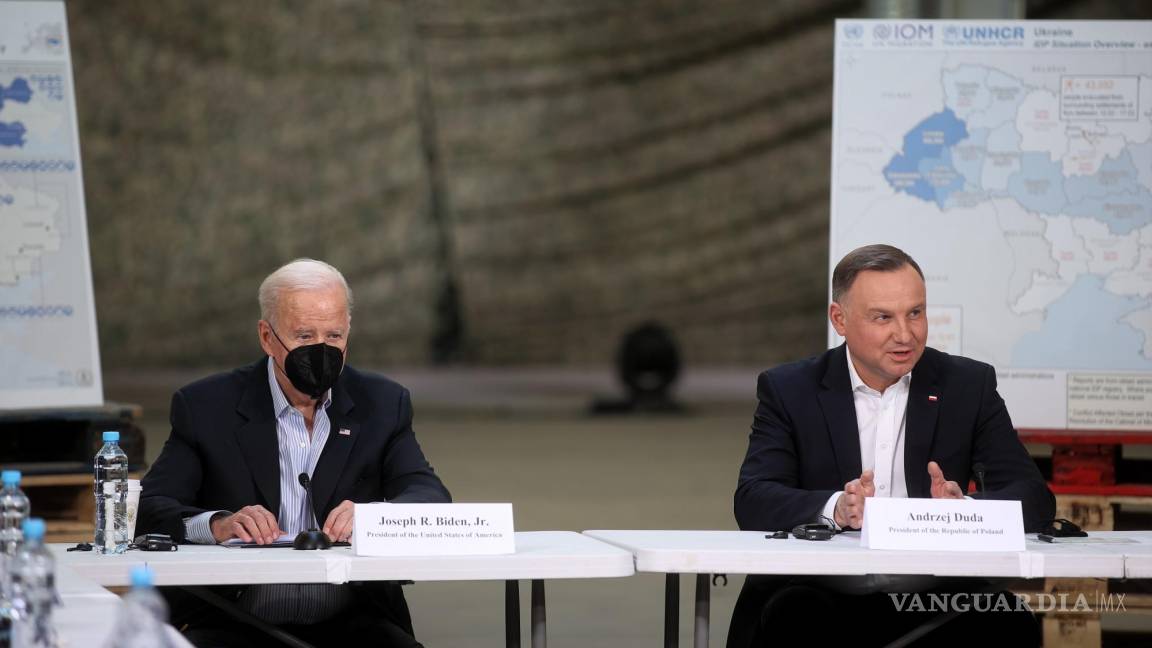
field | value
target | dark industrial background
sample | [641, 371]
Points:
[509, 186]
[511, 182]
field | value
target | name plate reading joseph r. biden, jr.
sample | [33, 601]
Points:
[432, 529]
[942, 524]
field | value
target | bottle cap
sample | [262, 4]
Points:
[141, 576]
[10, 477]
[33, 529]
[111, 436]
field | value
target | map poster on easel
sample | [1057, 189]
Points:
[1013, 161]
[49, 354]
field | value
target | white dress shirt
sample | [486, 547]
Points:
[880, 419]
[299, 452]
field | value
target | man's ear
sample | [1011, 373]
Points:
[837, 317]
[264, 333]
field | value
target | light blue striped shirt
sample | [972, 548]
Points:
[299, 452]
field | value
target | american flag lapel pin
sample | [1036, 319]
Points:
[345, 432]
[932, 398]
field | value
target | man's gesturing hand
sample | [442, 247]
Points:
[251, 524]
[942, 488]
[850, 506]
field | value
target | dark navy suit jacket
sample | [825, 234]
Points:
[805, 442]
[223, 454]
[805, 445]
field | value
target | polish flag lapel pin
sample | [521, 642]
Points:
[932, 398]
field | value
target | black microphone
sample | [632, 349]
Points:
[978, 468]
[313, 538]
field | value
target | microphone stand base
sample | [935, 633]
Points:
[311, 539]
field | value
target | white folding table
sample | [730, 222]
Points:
[539, 555]
[88, 613]
[1137, 557]
[754, 552]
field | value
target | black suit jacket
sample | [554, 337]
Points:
[805, 442]
[223, 454]
[805, 446]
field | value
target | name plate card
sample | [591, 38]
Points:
[942, 524]
[432, 529]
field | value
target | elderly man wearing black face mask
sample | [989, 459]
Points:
[240, 441]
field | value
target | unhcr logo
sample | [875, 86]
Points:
[984, 35]
[992, 33]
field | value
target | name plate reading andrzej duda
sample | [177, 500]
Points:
[942, 524]
[432, 529]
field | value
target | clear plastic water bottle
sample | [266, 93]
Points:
[33, 590]
[5, 628]
[110, 487]
[6, 614]
[142, 619]
[13, 510]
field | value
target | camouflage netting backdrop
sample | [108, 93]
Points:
[502, 181]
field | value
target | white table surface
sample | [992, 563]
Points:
[206, 565]
[1138, 558]
[87, 610]
[750, 552]
[1137, 554]
[539, 555]
[88, 613]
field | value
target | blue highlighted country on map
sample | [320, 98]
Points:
[18, 91]
[1112, 195]
[924, 169]
[12, 133]
[1039, 185]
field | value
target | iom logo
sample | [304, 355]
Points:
[853, 32]
[896, 33]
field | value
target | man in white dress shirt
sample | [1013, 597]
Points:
[880, 416]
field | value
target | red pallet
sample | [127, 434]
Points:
[1084, 462]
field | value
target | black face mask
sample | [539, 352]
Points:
[312, 368]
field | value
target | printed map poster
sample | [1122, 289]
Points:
[49, 355]
[1013, 160]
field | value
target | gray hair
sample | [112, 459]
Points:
[301, 274]
[878, 257]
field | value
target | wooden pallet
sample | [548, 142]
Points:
[66, 503]
[1084, 466]
[54, 449]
